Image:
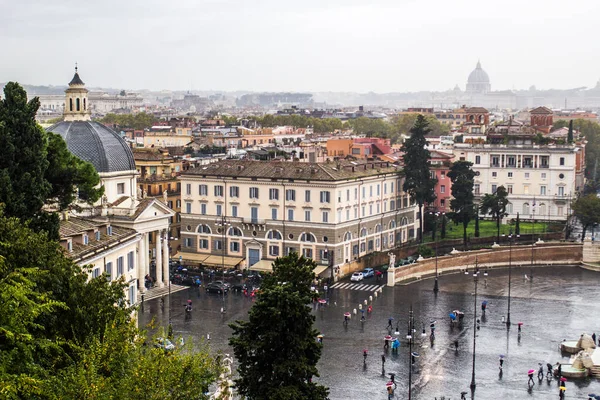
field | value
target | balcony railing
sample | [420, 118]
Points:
[255, 221]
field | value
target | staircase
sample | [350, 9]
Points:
[157, 292]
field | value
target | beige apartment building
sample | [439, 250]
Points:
[248, 213]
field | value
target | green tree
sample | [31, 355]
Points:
[23, 157]
[276, 348]
[476, 234]
[463, 210]
[418, 181]
[587, 210]
[570, 133]
[371, 127]
[402, 124]
[130, 121]
[518, 225]
[495, 205]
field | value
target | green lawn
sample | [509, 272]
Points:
[488, 228]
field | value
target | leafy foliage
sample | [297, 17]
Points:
[495, 205]
[417, 178]
[587, 211]
[130, 121]
[276, 347]
[463, 210]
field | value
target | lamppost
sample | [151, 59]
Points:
[475, 279]
[435, 284]
[510, 242]
[410, 352]
[223, 223]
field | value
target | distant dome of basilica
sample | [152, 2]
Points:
[478, 81]
[91, 141]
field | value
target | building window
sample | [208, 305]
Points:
[494, 188]
[120, 266]
[273, 194]
[561, 191]
[234, 211]
[308, 237]
[130, 265]
[203, 190]
[218, 191]
[307, 253]
[347, 215]
[290, 214]
[203, 244]
[178, 203]
[355, 193]
[562, 161]
[543, 175]
[273, 213]
[325, 216]
[370, 209]
[307, 215]
[543, 190]
[95, 272]
[370, 190]
[509, 189]
[307, 196]
[234, 191]
[109, 230]
[234, 247]
[274, 251]
[364, 192]
[347, 194]
[188, 207]
[86, 239]
[511, 161]
[254, 193]
[202, 209]
[120, 188]
[526, 175]
[510, 174]
[219, 209]
[108, 271]
[274, 235]
[97, 235]
[188, 189]
[495, 161]
[494, 174]
[325, 197]
[204, 229]
[443, 189]
[218, 244]
[290, 195]
[187, 242]
[392, 205]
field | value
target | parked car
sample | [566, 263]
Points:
[357, 276]
[226, 284]
[368, 272]
[214, 287]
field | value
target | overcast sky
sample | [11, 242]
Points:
[304, 45]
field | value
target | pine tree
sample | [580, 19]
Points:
[570, 134]
[276, 348]
[418, 181]
[518, 225]
[462, 176]
[476, 222]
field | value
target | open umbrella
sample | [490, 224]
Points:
[389, 384]
[531, 371]
[322, 301]
[452, 316]
[387, 337]
[347, 314]
[502, 356]
[563, 379]
[320, 336]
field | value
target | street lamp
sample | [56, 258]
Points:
[410, 352]
[510, 242]
[223, 223]
[435, 284]
[475, 279]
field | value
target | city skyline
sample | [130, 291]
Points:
[340, 47]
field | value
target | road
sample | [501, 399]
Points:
[558, 303]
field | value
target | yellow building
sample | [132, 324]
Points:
[165, 136]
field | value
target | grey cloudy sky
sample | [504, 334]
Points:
[306, 45]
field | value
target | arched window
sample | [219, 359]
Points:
[308, 237]
[84, 105]
[404, 221]
[542, 209]
[392, 224]
[363, 232]
[347, 236]
[70, 104]
[233, 231]
[204, 229]
[378, 228]
[525, 208]
[274, 235]
[77, 104]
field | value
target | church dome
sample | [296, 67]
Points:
[478, 75]
[93, 142]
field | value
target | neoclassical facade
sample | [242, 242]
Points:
[258, 210]
[89, 235]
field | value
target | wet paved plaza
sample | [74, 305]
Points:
[558, 303]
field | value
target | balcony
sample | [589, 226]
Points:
[148, 178]
[253, 221]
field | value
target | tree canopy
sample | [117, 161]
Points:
[587, 210]
[64, 336]
[463, 210]
[276, 348]
[418, 181]
[495, 205]
[130, 121]
[36, 168]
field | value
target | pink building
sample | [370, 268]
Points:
[440, 166]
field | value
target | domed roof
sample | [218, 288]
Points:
[94, 142]
[478, 75]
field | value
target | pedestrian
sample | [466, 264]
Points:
[519, 325]
[362, 316]
[561, 391]
[594, 337]
[456, 345]
[389, 325]
[382, 360]
[369, 309]
[365, 356]
[530, 382]
[390, 390]
[501, 362]
[559, 371]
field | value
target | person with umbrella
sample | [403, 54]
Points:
[390, 320]
[562, 388]
[530, 373]
[484, 306]
[365, 354]
[501, 361]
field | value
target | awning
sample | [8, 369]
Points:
[212, 260]
[319, 269]
[263, 266]
[218, 261]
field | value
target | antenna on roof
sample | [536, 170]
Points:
[75, 66]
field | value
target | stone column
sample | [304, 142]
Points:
[158, 260]
[142, 263]
[165, 264]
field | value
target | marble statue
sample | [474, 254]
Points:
[392, 260]
[165, 197]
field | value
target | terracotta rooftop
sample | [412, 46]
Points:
[541, 110]
[334, 171]
[476, 110]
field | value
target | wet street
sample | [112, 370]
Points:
[558, 303]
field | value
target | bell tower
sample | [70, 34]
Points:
[76, 100]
